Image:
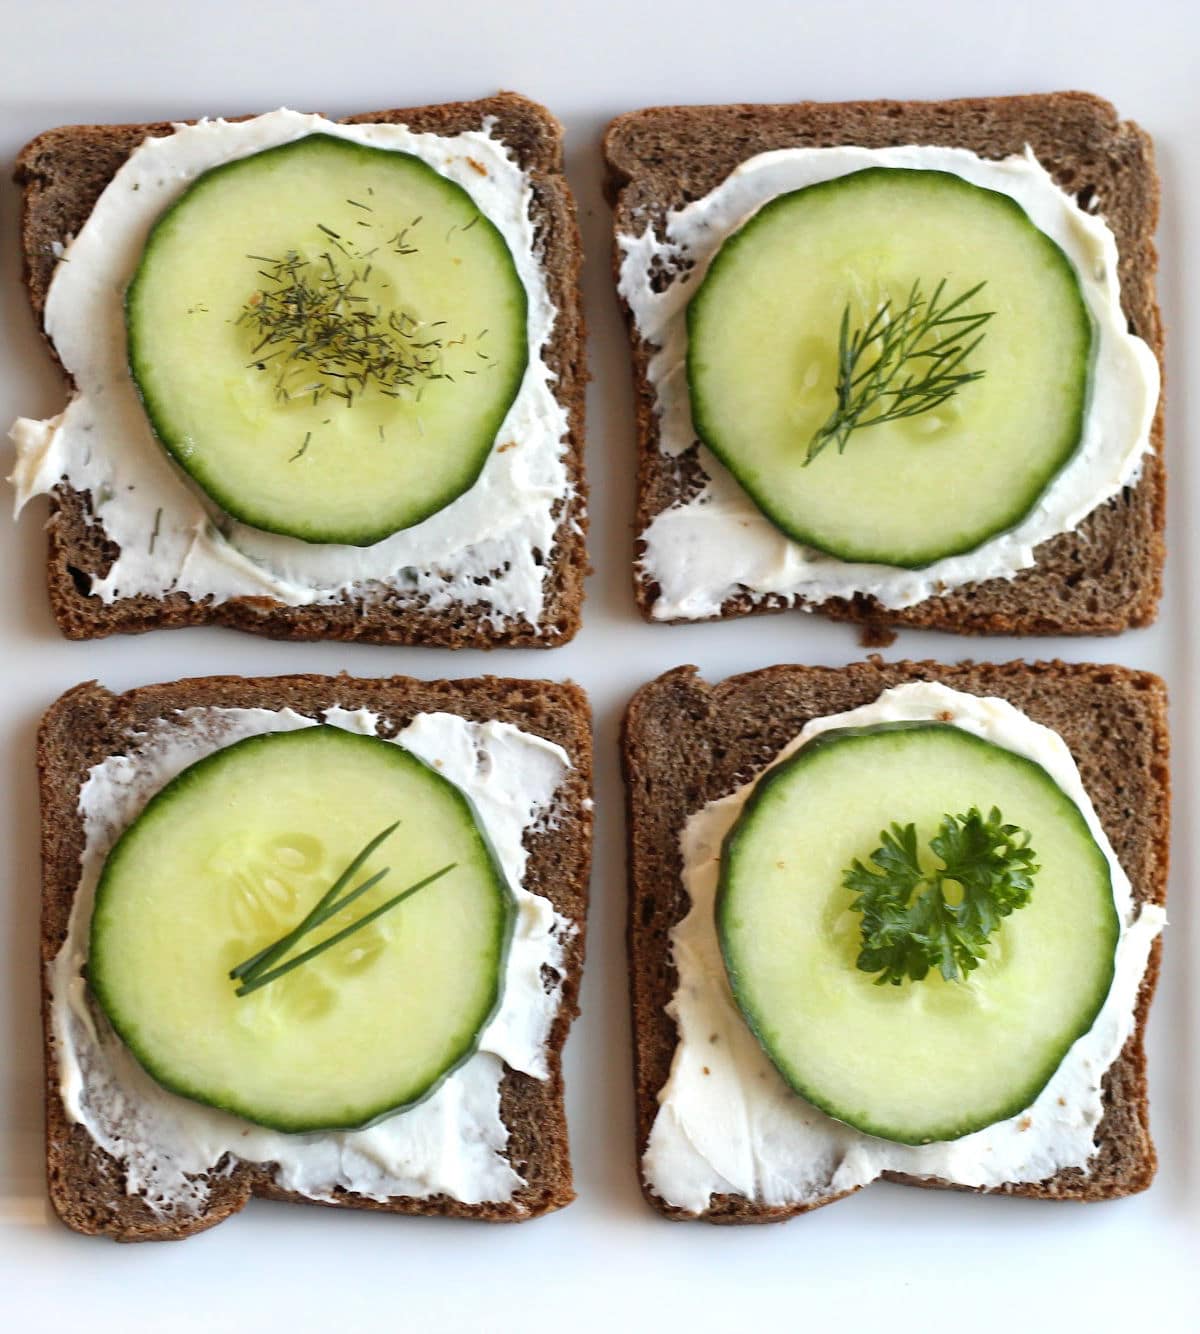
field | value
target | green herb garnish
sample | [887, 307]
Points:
[266, 957]
[904, 937]
[902, 364]
[265, 966]
[322, 334]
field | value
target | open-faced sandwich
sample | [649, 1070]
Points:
[327, 375]
[898, 361]
[894, 920]
[314, 939]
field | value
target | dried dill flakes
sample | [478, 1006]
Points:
[323, 335]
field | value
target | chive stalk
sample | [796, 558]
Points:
[262, 979]
[266, 957]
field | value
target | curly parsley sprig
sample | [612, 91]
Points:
[903, 936]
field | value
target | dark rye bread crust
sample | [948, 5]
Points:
[686, 742]
[64, 171]
[1104, 577]
[87, 1186]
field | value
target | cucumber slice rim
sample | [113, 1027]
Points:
[192, 467]
[764, 499]
[1022, 1099]
[506, 899]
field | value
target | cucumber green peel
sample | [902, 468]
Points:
[327, 337]
[815, 319]
[939, 1058]
[229, 871]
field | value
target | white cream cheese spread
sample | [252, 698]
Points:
[455, 1141]
[718, 544]
[727, 1122]
[481, 549]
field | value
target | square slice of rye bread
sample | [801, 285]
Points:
[64, 171]
[1104, 577]
[686, 743]
[88, 724]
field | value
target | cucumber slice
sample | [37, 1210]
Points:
[763, 354]
[361, 263]
[232, 854]
[929, 1060]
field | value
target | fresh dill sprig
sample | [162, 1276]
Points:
[909, 925]
[903, 363]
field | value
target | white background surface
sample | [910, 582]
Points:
[889, 1258]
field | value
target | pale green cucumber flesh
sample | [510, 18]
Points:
[322, 469]
[762, 364]
[232, 854]
[930, 1060]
